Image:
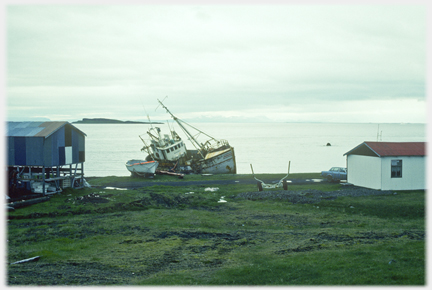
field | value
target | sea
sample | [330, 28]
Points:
[263, 147]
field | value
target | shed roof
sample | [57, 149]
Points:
[381, 149]
[35, 129]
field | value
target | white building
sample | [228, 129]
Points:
[388, 165]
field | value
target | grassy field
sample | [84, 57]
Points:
[185, 235]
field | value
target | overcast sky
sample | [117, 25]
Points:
[283, 63]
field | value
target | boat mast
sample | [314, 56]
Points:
[192, 138]
[147, 148]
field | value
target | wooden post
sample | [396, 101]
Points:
[73, 179]
[82, 173]
[43, 180]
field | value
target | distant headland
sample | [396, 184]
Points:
[109, 121]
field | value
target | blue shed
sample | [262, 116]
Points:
[45, 148]
[44, 144]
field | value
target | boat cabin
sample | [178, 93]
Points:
[171, 151]
[166, 148]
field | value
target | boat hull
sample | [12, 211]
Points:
[142, 167]
[219, 162]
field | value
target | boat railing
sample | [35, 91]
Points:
[213, 146]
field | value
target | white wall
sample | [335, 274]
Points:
[413, 173]
[364, 171]
[68, 155]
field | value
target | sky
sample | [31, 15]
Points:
[219, 62]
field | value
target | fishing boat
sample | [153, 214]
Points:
[211, 157]
[142, 167]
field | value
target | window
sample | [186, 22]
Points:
[396, 168]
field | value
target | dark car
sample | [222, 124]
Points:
[335, 174]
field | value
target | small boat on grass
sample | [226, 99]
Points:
[142, 167]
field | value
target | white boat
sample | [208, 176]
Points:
[142, 167]
[213, 156]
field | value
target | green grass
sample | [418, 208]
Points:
[359, 265]
[407, 205]
[175, 235]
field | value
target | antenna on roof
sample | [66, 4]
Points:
[379, 134]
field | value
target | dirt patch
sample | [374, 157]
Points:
[325, 240]
[154, 201]
[67, 273]
[91, 198]
[198, 235]
[310, 195]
